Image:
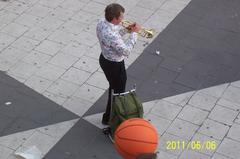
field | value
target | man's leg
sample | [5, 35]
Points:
[117, 82]
[106, 115]
[112, 71]
[116, 75]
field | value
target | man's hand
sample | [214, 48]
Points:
[134, 27]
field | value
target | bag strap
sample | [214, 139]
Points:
[125, 111]
[136, 102]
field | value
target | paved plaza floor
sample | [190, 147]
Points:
[53, 91]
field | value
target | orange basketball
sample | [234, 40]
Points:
[135, 136]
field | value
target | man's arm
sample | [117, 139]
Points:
[123, 31]
[122, 47]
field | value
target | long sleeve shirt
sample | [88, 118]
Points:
[113, 47]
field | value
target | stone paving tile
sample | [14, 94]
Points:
[87, 64]
[215, 91]
[143, 71]
[12, 54]
[72, 26]
[51, 4]
[23, 69]
[50, 72]
[56, 98]
[77, 105]
[237, 120]
[140, 13]
[213, 129]
[50, 23]
[20, 79]
[229, 148]
[228, 104]
[208, 144]
[107, 151]
[62, 88]
[38, 84]
[164, 155]
[161, 18]
[16, 141]
[42, 141]
[14, 29]
[128, 5]
[75, 147]
[149, 61]
[98, 79]
[25, 44]
[159, 123]
[73, 5]
[3, 4]
[27, 20]
[182, 129]
[49, 47]
[193, 155]
[5, 119]
[94, 52]
[232, 94]
[61, 13]
[63, 60]
[166, 141]
[5, 40]
[38, 33]
[75, 49]
[95, 120]
[190, 80]
[87, 38]
[166, 110]
[5, 152]
[223, 115]
[94, 8]
[85, 17]
[236, 84]
[174, 5]
[219, 156]
[17, 7]
[151, 4]
[57, 130]
[39, 10]
[105, 2]
[234, 132]
[203, 101]
[62, 37]
[193, 115]
[7, 17]
[172, 64]
[29, 2]
[147, 106]
[76, 76]
[181, 99]
[36, 58]
[88, 92]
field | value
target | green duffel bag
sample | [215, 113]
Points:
[124, 106]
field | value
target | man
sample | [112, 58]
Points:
[114, 50]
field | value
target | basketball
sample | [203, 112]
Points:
[134, 137]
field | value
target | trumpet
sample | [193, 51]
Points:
[146, 33]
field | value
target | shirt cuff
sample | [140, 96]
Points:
[134, 37]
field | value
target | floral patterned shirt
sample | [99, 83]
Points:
[113, 47]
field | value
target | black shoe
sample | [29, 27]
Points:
[105, 119]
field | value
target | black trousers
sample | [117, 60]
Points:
[115, 73]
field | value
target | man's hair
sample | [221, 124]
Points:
[113, 11]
